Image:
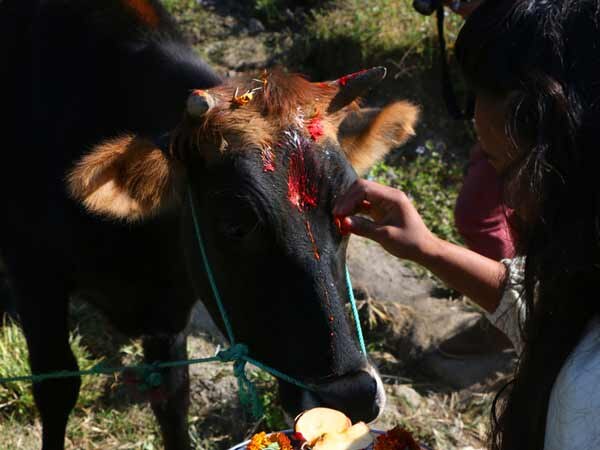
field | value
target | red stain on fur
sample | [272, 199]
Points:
[315, 127]
[301, 193]
[268, 159]
[144, 11]
[312, 241]
[344, 80]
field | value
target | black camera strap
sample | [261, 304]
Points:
[447, 87]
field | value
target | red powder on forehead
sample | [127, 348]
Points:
[344, 80]
[268, 159]
[301, 192]
[315, 127]
[312, 241]
[144, 11]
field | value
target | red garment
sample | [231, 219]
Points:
[480, 214]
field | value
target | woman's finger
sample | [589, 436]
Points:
[361, 227]
[350, 202]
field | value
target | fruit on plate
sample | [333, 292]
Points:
[316, 422]
[357, 437]
[328, 429]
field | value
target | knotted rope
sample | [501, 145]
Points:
[238, 353]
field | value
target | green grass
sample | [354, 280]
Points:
[16, 399]
[351, 34]
[432, 182]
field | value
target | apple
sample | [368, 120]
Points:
[316, 422]
[357, 437]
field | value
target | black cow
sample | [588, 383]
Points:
[98, 152]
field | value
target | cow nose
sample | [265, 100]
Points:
[359, 395]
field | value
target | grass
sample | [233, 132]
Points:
[431, 182]
[352, 34]
[16, 399]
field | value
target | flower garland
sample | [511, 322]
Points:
[273, 441]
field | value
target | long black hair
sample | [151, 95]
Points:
[542, 57]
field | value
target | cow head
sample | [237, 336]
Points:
[265, 159]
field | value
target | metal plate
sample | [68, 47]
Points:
[242, 445]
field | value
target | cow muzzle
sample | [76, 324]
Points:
[359, 395]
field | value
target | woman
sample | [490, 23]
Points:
[535, 68]
[480, 215]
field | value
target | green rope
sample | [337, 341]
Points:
[237, 353]
[359, 333]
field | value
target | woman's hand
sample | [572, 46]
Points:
[397, 226]
[394, 222]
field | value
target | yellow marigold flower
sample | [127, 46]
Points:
[244, 99]
[282, 440]
[259, 441]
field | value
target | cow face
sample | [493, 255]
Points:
[263, 161]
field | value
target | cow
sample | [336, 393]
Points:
[114, 129]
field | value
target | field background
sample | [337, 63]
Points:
[323, 40]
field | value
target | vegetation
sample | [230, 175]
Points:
[16, 399]
[431, 182]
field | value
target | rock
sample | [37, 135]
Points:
[462, 373]
[240, 54]
[201, 322]
[384, 276]
[478, 337]
[408, 394]
[255, 26]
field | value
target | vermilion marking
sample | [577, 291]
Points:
[312, 241]
[315, 127]
[144, 11]
[268, 159]
[344, 80]
[301, 193]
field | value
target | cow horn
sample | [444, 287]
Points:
[354, 85]
[199, 102]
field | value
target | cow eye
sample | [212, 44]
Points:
[237, 231]
[239, 223]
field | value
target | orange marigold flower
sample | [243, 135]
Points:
[244, 99]
[262, 440]
[396, 439]
[282, 440]
[258, 441]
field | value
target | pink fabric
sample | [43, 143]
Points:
[480, 214]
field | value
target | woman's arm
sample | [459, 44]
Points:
[397, 226]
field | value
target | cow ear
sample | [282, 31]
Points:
[367, 135]
[128, 178]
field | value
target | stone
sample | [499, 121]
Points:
[467, 372]
[201, 322]
[255, 26]
[383, 275]
[407, 394]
